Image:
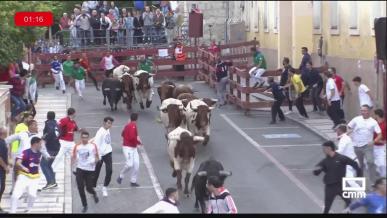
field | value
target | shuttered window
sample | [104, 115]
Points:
[256, 16]
[353, 16]
[317, 15]
[275, 16]
[266, 17]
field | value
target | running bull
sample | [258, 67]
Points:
[143, 82]
[112, 89]
[172, 114]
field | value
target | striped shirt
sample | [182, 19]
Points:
[222, 203]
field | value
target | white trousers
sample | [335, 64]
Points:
[66, 148]
[23, 184]
[80, 86]
[59, 81]
[351, 173]
[256, 76]
[132, 163]
[380, 159]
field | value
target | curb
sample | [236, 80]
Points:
[68, 202]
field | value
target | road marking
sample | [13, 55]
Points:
[272, 127]
[285, 171]
[148, 165]
[281, 136]
[250, 115]
[129, 188]
[301, 145]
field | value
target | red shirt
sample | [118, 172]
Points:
[85, 64]
[382, 126]
[67, 128]
[339, 83]
[130, 136]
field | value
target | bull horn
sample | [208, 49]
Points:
[225, 173]
[211, 108]
[202, 173]
[214, 99]
[172, 86]
[198, 138]
[151, 74]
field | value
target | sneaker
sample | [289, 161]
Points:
[104, 191]
[53, 185]
[133, 184]
[57, 88]
[64, 92]
[84, 210]
[96, 200]
[119, 180]
[45, 187]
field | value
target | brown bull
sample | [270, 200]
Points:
[182, 89]
[128, 90]
[165, 90]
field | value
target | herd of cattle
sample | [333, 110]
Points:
[185, 117]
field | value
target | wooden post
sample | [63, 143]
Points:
[50, 34]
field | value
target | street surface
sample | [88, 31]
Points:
[271, 164]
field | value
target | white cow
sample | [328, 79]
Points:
[198, 115]
[120, 71]
[177, 114]
[143, 83]
[185, 148]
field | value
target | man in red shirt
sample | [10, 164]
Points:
[340, 83]
[131, 141]
[67, 127]
[380, 147]
[84, 62]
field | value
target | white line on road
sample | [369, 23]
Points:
[272, 127]
[301, 145]
[128, 188]
[148, 165]
[285, 171]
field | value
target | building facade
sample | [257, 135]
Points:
[344, 27]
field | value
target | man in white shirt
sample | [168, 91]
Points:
[167, 205]
[345, 147]
[333, 99]
[103, 141]
[362, 129]
[365, 96]
[84, 158]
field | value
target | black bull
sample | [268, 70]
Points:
[112, 89]
[206, 169]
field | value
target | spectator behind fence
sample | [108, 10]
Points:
[158, 20]
[95, 23]
[147, 16]
[106, 25]
[73, 32]
[116, 12]
[104, 8]
[84, 27]
[64, 22]
[170, 24]
[129, 26]
[137, 34]
[17, 92]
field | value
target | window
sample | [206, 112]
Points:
[246, 13]
[334, 15]
[353, 19]
[275, 16]
[255, 16]
[317, 17]
[265, 17]
[375, 13]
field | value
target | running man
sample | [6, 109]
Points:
[57, 70]
[85, 63]
[259, 68]
[131, 141]
[103, 141]
[166, 205]
[67, 127]
[220, 199]
[28, 163]
[4, 166]
[79, 75]
[334, 166]
[84, 158]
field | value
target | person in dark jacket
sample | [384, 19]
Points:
[51, 136]
[278, 99]
[305, 58]
[95, 23]
[334, 166]
[17, 92]
[138, 24]
[4, 167]
[221, 80]
[285, 79]
[315, 84]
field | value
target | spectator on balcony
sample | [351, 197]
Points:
[73, 31]
[104, 8]
[108, 63]
[84, 27]
[158, 20]
[129, 26]
[116, 11]
[17, 92]
[147, 17]
[95, 24]
[170, 25]
[106, 25]
[64, 22]
[79, 75]
[137, 24]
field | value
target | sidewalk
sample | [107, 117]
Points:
[57, 200]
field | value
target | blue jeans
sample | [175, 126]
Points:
[47, 170]
[18, 105]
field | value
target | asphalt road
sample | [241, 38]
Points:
[271, 173]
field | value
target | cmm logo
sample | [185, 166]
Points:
[354, 187]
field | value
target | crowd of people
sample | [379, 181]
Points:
[102, 22]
